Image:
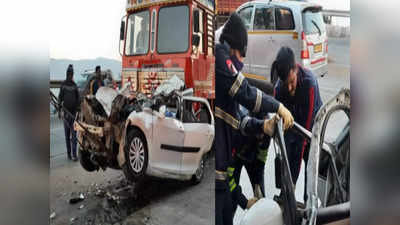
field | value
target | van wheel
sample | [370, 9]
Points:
[86, 163]
[136, 155]
[274, 77]
[199, 174]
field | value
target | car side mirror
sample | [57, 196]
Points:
[122, 31]
[196, 21]
[195, 40]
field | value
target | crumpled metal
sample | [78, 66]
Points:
[168, 86]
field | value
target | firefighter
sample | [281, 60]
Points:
[69, 99]
[251, 152]
[97, 81]
[231, 90]
[297, 88]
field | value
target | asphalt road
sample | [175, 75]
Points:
[156, 202]
[338, 77]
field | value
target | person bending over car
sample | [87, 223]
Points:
[297, 88]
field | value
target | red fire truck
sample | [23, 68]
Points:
[163, 38]
[224, 8]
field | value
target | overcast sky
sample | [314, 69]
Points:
[87, 29]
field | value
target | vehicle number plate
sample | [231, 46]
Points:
[317, 48]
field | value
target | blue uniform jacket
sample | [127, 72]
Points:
[231, 90]
[252, 138]
[304, 105]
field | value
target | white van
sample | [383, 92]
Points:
[273, 24]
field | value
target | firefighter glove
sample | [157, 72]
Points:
[286, 115]
[269, 125]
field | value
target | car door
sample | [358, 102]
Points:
[261, 42]
[168, 139]
[198, 123]
[246, 14]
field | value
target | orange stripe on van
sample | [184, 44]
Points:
[273, 32]
[254, 76]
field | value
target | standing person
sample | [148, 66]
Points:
[97, 81]
[298, 90]
[69, 99]
[231, 90]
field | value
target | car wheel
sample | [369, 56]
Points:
[136, 155]
[86, 163]
[199, 174]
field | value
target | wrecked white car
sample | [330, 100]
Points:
[328, 175]
[164, 136]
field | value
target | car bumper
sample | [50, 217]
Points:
[320, 69]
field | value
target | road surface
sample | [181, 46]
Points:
[158, 202]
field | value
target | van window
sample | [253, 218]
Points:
[284, 19]
[245, 14]
[264, 18]
[313, 21]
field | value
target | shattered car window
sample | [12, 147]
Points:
[195, 112]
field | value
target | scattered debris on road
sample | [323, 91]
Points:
[53, 215]
[72, 219]
[75, 199]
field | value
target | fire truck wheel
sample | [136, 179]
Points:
[86, 163]
[136, 155]
[199, 174]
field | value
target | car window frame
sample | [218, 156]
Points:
[209, 113]
[252, 6]
[304, 22]
[254, 15]
[291, 12]
[188, 25]
[148, 49]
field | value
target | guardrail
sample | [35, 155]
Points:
[57, 83]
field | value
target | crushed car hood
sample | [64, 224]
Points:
[105, 96]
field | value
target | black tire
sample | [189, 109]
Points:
[136, 156]
[86, 163]
[198, 176]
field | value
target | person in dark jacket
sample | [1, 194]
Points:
[69, 99]
[97, 81]
[297, 88]
[251, 153]
[231, 90]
